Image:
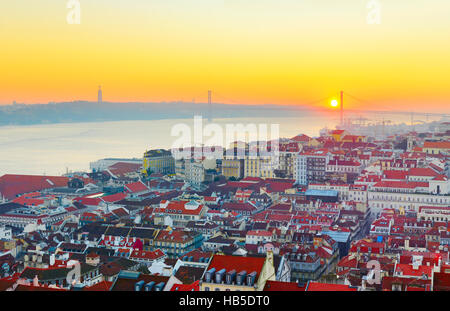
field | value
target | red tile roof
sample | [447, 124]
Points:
[32, 288]
[23, 200]
[401, 184]
[251, 179]
[237, 263]
[120, 212]
[437, 168]
[149, 255]
[174, 236]
[197, 254]
[316, 152]
[279, 186]
[102, 286]
[88, 201]
[337, 162]
[419, 171]
[136, 187]
[437, 144]
[441, 281]
[194, 287]
[114, 197]
[301, 138]
[279, 217]
[324, 287]
[120, 169]
[231, 206]
[7, 282]
[440, 178]
[179, 208]
[277, 286]
[395, 174]
[405, 283]
[291, 147]
[348, 261]
[281, 207]
[408, 270]
[337, 132]
[12, 185]
[259, 233]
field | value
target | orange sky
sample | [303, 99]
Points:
[266, 53]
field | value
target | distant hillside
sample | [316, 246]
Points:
[81, 111]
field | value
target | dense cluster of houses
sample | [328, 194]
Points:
[340, 212]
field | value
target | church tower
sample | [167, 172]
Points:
[410, 143]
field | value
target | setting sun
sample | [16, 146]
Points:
[334, 103]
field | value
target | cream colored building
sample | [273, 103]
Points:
[259, 166]
[436, 147]
[379, 200]
[233, 168]
[195, 170]
[180, 168]
[236, 273]
[434, 213]
[158, 161]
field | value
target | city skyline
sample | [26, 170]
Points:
[267, 53]
[221, 150]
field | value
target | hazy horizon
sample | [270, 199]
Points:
[73, 146]
[271, 52]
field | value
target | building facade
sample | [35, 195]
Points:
[158, 161]
[260, 166]
[233, 168]
[310, 167]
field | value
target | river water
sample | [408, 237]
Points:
[52, 149]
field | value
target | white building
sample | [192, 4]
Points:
[343, 166]
[346, 192]
[258, 236]
[310, 167]
[5, 233]
[408, 195]
[194, 172]
[434, 213]
[262, 166]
